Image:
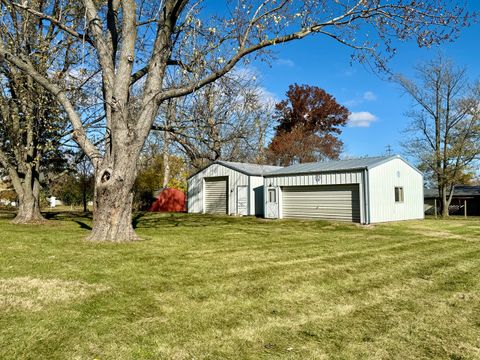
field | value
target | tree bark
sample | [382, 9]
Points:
[29, 205]
[112, 216]
[112, 219]
[169, 119]
[84, 195]
[166, 160]
[445, 202]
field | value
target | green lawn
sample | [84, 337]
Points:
[200, 287]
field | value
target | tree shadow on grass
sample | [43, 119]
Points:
[83, 225]
[136, 219]
[152, 220]
[7, 214]
[78, 217]
[66, 215]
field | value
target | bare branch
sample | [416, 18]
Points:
[79, 132]
[57, 22]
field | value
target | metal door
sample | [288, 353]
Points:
[331, 202]
[216, 195]
[271, 203]
[242, 200]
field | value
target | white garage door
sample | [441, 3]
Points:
[330, 202]
[216, 195]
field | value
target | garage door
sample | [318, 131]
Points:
[216, 195]
[330, 202]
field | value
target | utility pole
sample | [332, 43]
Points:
[389, 150]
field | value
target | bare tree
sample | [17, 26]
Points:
[32, 124]
[226, 120]
[133, 45]
[444, 135]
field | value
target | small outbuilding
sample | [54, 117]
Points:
[465, 201]
[169, 200]
[365, 190]
[226, 187]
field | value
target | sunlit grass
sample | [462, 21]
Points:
[223, 287]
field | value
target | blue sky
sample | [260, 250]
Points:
[378, 106]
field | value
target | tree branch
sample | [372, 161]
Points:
[79, 134]
[43, 16]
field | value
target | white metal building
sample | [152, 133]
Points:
[226, 187]
[366, 190]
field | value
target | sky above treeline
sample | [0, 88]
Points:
[378, 106]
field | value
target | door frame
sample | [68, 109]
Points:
[204, 192]
[356, 186]
[247, 203]
[270, 205]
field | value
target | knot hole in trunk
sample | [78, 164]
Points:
[105, 176]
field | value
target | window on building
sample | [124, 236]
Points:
[272, 196]
[398, 194]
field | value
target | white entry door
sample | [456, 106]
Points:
[271, 208]
[242, 200]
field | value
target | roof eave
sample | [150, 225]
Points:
[393, 158]
[220, 162]
[316, 171]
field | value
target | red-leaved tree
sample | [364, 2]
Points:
[309, 122]
[136, 55]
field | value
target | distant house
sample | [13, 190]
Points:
[462, 195]
[365, 190]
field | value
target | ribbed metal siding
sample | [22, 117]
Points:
[333, 178]
[382, 182]
[330, 202]
[196, 187]
[216, 195]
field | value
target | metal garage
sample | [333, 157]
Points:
[329, 202]
[216, 195]
[365, 190]
[226, 187]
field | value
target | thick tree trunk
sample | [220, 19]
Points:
[112, 216]
[112, 219]
[29, 205]
[28, 212]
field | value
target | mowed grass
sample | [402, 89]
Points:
[205, 287]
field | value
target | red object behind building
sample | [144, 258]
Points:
[171, 200]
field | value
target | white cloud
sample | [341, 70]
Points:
[361, 119]
[369, 96]
[352, 102]
[266, 96]
[348, 72]
[285, 62]
[245, 73]
[250, 73]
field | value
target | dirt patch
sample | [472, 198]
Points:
[25, 293]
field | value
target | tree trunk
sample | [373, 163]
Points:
[166, 160]
[29, 205]
[445, 202]
[84, 193]
[112, 216]
[169, 120]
